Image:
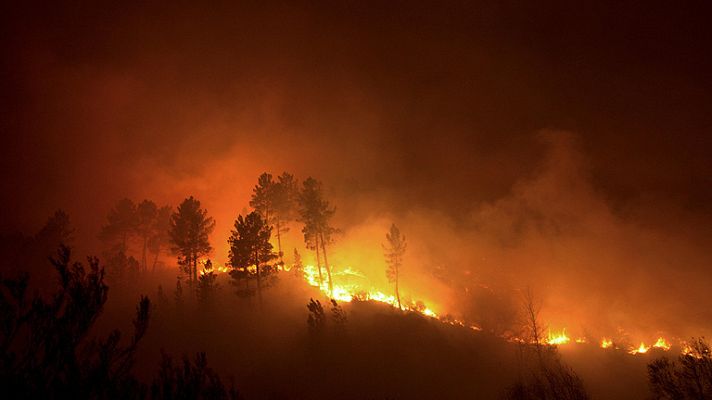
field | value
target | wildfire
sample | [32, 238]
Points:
[642, 349]
[558, 339]
[349, 284]
[662, 344]
[347, 287]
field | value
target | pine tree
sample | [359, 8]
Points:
[297, 265]
[250, 247]
[146, 215]
[393, 251]
[284, 197]
[190, 227]
[160, 234]
[121, 224]
[315, 212]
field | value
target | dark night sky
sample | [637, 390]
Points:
[411, 99]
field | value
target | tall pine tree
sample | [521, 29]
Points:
[190, 227]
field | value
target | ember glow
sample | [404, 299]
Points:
[350, 284]
[661, 343]
[558, 338]
[642, 349]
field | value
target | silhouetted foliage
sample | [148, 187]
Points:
[144, 224]
[284, 195]
[120, 269]
[689, 378]
[121, 224]
[316, 321]
[207, 284]
[547, 377]
[338, 315]
[315, 212]
[178, 294]
[394, 251]
[56, 231]
[190, 227]
[250, 248]
[189, 380]
[297, 265]
[159, 237]
[275, 202]
[542, 374]
[44, 348]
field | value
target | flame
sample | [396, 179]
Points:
[558, 339]
[350, 284]
[347, 286]
[662, 344]
[642, 349]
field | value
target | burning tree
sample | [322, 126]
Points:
[315, 212]
[189, 230]
[393, 251]
[250, 247]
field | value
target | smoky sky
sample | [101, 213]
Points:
[405, 105]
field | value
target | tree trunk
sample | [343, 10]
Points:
[195, 268]
[318, 260]
[328, 270]
[144, 264]
[397, 293]
[155, 259]
[279, 243]
[259, 280]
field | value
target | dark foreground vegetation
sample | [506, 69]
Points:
[46, 350]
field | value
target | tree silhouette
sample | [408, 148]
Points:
[57, 230]
[315, 212]
[393, 251]
[275, 202]
[146, 215]
[189, 380]
[284, 196]
[297, 265]
[542, 374]
[44, 347]
[189, 230]
[250, 247]
[207, 284]
[160, 233]
[262, 197]
[316, 321]
[689, 378]
[121, 224]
